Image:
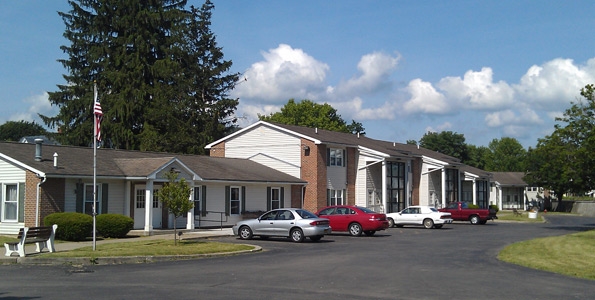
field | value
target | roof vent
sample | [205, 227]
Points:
[38, 143]
[316, 130]
[55, 160]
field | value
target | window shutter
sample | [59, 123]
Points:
[344, 200]
[243, 208]
[227, 199]
[21, 206]
[344, 157]
[281, 197]
[328, 157]
[328, 197]
[104, 197]
[269, 199]
[80, 190]
[203, 201]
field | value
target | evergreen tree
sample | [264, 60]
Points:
[13, 131]
[145, 58]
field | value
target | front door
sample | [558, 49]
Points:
[140, 204]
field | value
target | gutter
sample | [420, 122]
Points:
[38, 200]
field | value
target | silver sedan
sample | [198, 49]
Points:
[295, 223]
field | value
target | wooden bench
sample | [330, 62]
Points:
[517, 213]
[43, 237]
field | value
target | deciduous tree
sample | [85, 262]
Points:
[175, 196]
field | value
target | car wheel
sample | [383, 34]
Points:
[369, 232]
[245, 233]
[296, 235]
[355, 229]
[316, 238]
[428, 223]
[391, 222]
[474, 219]
[437, 226]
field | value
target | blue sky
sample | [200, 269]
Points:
[484, 69]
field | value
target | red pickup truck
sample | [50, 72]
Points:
[460, 211]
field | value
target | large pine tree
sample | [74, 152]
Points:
[144, 56]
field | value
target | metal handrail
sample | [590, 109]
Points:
[222, 218]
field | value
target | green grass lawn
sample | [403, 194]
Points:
[572, 255]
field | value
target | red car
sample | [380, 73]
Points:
[354, 219]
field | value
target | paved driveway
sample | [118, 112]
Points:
[457, 262]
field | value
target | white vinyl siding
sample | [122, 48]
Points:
[277, 150]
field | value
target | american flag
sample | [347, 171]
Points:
[98, 114]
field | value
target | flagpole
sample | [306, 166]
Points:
[94, 167]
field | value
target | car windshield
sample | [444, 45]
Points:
[306, 214]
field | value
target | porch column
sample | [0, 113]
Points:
[499, 196]
[149, 207]
[443, 188]
[190, 218]
[384, 186]
[474, 191]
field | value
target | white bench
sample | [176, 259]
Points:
[43, 237]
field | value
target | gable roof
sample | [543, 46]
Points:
[78, 162]
[322, 136]
[509, 178]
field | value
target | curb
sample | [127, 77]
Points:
[117, 260]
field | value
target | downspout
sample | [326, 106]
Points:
[38, 200]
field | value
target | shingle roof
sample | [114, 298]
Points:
[349, 139]
[78, 161]
[509, 178]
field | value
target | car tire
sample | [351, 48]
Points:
[369, 232]
[474, 220]
[438, 226]
[355, 229]
[391, 222]
[297, 235]
[245, 233]
[316, 238]
[483, 222]
[428, 223]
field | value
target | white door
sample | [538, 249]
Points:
[140, 204]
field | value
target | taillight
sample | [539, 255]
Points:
[318, 223]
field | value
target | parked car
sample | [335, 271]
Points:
[427, 216]
[354, 219]
[460, 211]
[293, 223]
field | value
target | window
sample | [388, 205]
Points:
[140, 198]
[10, 205]
[335, 197]
[452, 185]
[155, 199]
[275, 198]
[234, 201]
[335, 157]
[88, 208]
[395, 186]
[196, 198]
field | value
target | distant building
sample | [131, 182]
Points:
[31, 140]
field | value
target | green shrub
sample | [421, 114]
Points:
[114, 225]
[472, 206]
[72, 226]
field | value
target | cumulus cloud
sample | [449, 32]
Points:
[38, 104]
[425, 99]
[442, 127]
[285, 73]
[555, 83]
[375, 69]
[477, 90]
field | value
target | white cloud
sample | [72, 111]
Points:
[37, 104]
[476, 90]
[285, 73]
[425, 99]
[555, 83]
[375, 69]
[442, 127]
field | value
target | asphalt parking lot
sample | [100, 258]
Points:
[458, 261]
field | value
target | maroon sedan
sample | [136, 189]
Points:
[354, 219]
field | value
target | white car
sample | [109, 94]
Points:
[428, 216]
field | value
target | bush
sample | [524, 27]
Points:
[72, 226]
[114, 225]
[472, 206]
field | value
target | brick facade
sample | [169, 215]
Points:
[218, 150]
[351, 175]
[51, 198]
[416, 166]
[313, 170]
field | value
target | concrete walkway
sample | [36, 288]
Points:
[134, 236]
